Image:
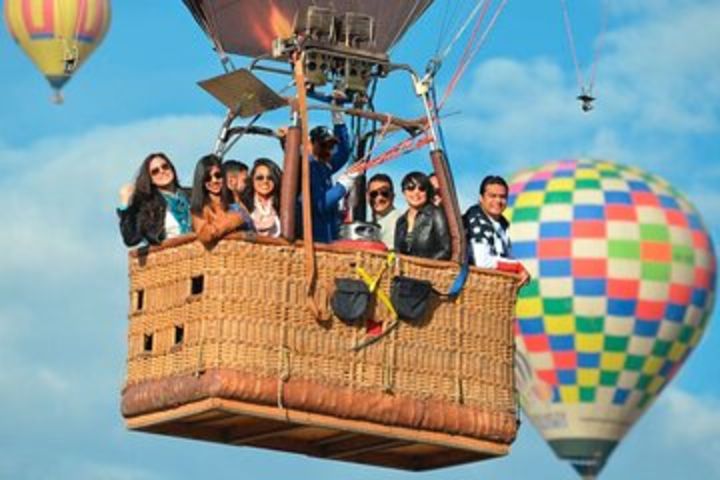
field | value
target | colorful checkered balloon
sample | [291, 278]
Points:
[623, 286]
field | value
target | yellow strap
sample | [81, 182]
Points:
[372, 284]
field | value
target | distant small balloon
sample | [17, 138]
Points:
[624, 278]
[58, 35]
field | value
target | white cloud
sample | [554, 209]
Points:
[680, 434]
[62, 192]
[658, 89]
[694, 421]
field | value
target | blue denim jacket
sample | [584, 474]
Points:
[325, 195]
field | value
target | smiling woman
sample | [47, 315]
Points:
[155, 207]
[212, 217]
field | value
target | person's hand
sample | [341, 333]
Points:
[347, 178]
[338, 97]
[126, 193]
[524, 276]
[356, 168]
[282, 132]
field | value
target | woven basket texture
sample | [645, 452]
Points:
[251, 317]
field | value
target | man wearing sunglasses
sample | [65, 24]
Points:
[380, 197]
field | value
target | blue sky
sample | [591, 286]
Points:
[63, 284]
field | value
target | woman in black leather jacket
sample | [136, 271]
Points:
[155, 207]
[422, 230]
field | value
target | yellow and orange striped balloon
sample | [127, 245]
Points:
[57, 35]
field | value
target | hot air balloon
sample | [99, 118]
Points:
[237, 344]
[624, 285]
[58, 35]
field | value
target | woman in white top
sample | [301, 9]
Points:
[262, 197]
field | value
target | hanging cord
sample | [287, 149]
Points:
[600, 43]
[472, 50]
[571, 43]
[481, 5]
[283, 367]
[436, 114]
[586, 89]
[414, 143]
[309, 247]
[405, 23]
[377, 142]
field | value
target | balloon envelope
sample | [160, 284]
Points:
[57, 35]
[248, 27]
[623, 285]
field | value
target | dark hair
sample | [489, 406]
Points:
[381, 177]
[276, 175]
[420, 179]
[199, 197]
[233, 166]
[493, 180]
[144, 188]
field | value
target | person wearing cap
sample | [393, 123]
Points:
[330, 153]
[487, 229]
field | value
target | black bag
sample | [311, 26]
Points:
[351, 300]
[410, 297]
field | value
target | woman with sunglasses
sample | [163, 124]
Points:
[422, 230]
[263, 197]
[155, 207]
[212, 215]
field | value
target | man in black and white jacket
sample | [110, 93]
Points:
[487, 229]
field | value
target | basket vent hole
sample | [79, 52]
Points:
[197, 285]
[179, 334]
[139, 299]
[148, 342]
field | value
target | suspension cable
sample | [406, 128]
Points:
[586, 89]
[481, 5]
[571, 42]
[600, 43]
[471, 53]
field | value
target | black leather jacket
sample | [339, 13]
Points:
[144, 219]
[430, 237]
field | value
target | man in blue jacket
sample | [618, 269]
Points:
[330, 153]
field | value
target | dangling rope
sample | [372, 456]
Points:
[310, 261]
[424, 138]
[472, 48]
[586, 89]
[600, 42]
[482, 5]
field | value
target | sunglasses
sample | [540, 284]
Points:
[262, 178]
[410, 188]
[379, 193]
[213, 176]
[162, 168]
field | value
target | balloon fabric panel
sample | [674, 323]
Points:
[624, 283]
[53, 33]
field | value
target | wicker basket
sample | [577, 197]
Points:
[222, 348]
